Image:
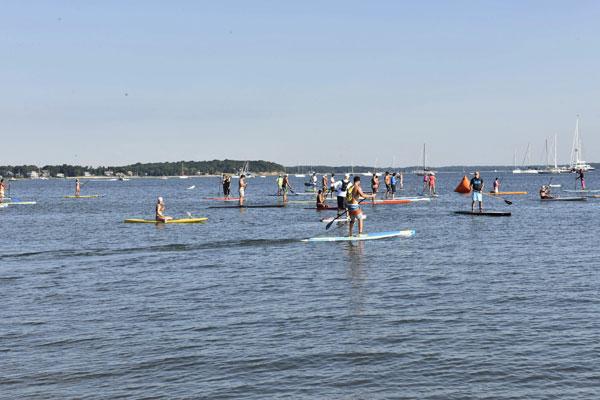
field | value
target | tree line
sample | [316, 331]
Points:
[145, 169]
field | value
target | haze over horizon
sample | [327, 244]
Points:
[310, 83]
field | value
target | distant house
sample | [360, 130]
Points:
[108, 173]
[60, 175]
[87, 174]
[45, 173]
[33, 175]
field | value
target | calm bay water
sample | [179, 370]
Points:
[238, 307]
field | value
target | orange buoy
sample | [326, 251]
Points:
[464, 186]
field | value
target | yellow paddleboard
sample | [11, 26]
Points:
[171, 221]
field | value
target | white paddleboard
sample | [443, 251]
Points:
[366, 236]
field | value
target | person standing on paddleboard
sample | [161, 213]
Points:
[226, 186]
[476, 186]
[496, 185]
[375, 184]
[285, 186]
[393, 182]
[2, 189]
[340, 191]
[242, 188]
[354, 196]
[279, 185]
[581, 178]
[332, 184]
[401, 180]
[325, 184]
[425, 182]
[388, 188]
[77, 187]
[432, 184]
[160, 211]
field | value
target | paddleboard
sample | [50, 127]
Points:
[581, 191]
[3, 205]
[223, 199]
[507, 193]
[171, 221]
[89, 196]
[485, 213]
[20, 203]
[565, 199]
[401, 200]
[321, 209]
[307, 201]
[365, 236]
[252, 206]
[556, 185]
[383, 202]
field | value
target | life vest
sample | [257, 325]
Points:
[349, 194]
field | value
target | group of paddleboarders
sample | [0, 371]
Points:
[429, 183]
[391, 181]
[284, 186]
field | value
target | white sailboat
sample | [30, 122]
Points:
[426, 170]
[526, 161]
[183, 176]
[577, 162]
[553, 169]
[299, 174]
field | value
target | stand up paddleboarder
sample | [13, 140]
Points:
[354, 196]
[476, 186]
[242, 188]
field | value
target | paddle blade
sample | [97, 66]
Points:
[329, 224]
[508, 202]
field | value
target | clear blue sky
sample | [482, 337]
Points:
[314, 82]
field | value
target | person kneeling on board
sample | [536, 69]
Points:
[355, 193]
[321, 200]
[545, 193]
[160, 211]
[477, 190]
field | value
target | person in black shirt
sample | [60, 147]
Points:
[477, 190]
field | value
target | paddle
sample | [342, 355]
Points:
[499, 198]
[339, 215]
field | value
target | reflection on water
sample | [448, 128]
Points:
[355, 253]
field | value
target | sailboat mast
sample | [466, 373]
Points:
[555, 147]
[424, 156]
[547, 155]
